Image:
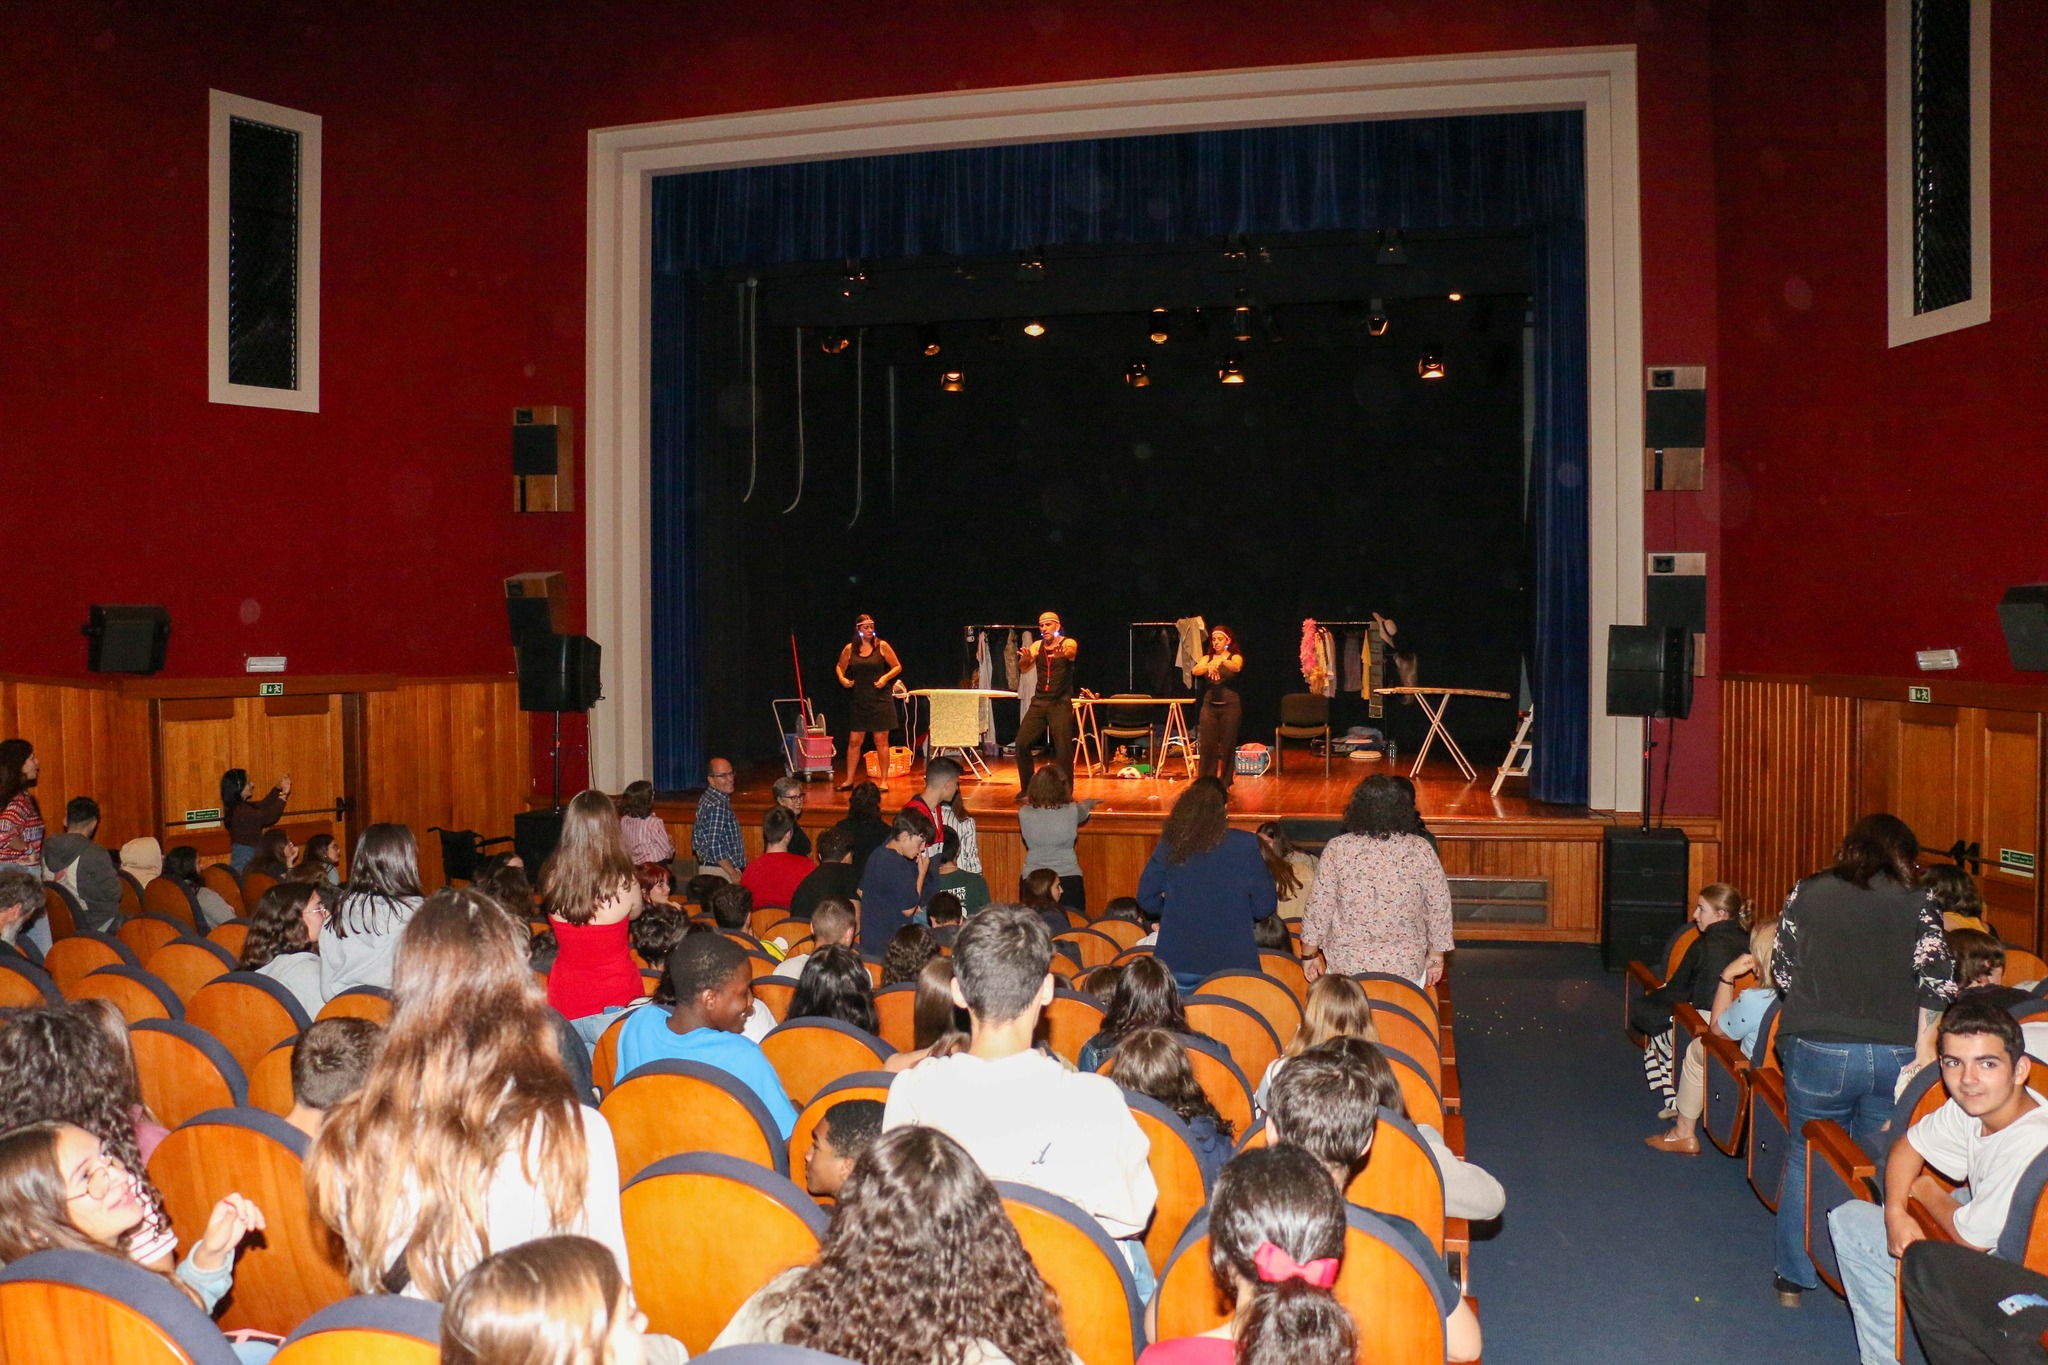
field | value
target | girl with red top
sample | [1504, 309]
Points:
[590, 891]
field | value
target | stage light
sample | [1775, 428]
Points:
[1034, 328]
[856, 282]
[1456, 297]
[1269, 323]
[1430, 366]
[1231, 372]
[834, 343]
[1030, 270]
[1376, 321]
[953, 381]
[1137, 376]
[1234, 257]
[1162, 326]
[1391, 251]
[928, 340]
[1241, 323]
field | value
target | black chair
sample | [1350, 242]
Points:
[1303, 715]
[462, 850]
[1130, 722]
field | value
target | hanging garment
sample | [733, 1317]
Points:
[1308, 654]
[1353, 655]
[1326, 663]
[1410, 670]
[984, 674]
[1192, 629]
[1375, 660]
[1152, 661]
[1010, 659]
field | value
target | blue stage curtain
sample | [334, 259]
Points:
[1523, 171]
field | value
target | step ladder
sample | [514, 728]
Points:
[1520, 753]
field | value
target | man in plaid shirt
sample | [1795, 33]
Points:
[715, 838]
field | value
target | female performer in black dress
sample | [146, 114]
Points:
[1221, 706]
[866, 667]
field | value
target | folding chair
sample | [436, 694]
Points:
[773, 993]
[1303, 715]
[670, 1107]
[1639, 980]
[1123, 931]
[233, 936]
[249, 1012]
[87, 1306]
[131, 894]
[147, 932]
[254, 885]
[270, 1081]
[184, 1071]
[1097, 949]
[374, 1329]
[296, 1268]
[1097, 1295]
[169, 898]
[222, 881]
[705, 1231]
[1286, 969]
[896, 1015]
[809, 1054]
[62, 910]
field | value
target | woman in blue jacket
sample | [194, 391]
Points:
[1206, 883]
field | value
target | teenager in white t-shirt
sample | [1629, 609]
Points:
[1024, 1115]
[1987, 1135]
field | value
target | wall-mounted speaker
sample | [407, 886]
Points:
[2023, 614]
[1649, 671]
[536, 604]
[544, 459]
[1675, 428]
[126, 639]
[558, 673]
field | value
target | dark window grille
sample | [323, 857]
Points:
[1941, 154]
[263, 255]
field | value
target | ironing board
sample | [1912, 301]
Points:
[953, 722]
[1437, 728]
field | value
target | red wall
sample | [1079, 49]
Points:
[1877, 500]
[371, 537]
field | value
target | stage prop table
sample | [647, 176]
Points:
[1437, 728]
[953, 722]
[1089, 731]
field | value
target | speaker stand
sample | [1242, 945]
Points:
[1649, 746]
[558, 767]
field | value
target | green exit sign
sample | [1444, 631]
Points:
[270, 689]
[1920, 694]
[210, 816]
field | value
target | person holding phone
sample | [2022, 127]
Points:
[1051, 709]
[866, 667]
[245, 816]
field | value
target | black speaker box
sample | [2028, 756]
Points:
[126, 639]
[1649, 671]
[558, 673]
[535, 450]
[1642, 892]
[534, 836]
[2023, 613]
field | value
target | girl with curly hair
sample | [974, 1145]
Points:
[284, 931]
[1206, 884]
[920, 1266]
[835, 985]
[909, 949]
[71, 1064]
[1381, 902]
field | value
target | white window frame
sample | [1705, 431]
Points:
[1906, 325]
[221, 108]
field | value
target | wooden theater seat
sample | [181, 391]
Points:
[76, 1306]
[604, 1059]
[1402, 1031]
[187, 963]
[773, 993]
[23, 985]
[1640, 979]
[135, 992]
[249, 1012]
[1384, 988]
[1077, 1260]
[1123, 931]
[70, 959]
[1219, 1078]
[1401, 1177]
[296, 1267]
[170, 899]
[254, 884]
[1183, 1192]
[809, 1054]
[896, 1015]
[62, 910]
[1286, 969]
[705, 1231]
[359, 1002]
[379, 1329]
[1096, 948]
[270, 1080]
[131, 894]
[861, 1085]
[670, 1107]
[1419, 1094]
[223, 882]
[1239, 1029]
[233, 936]
[1069, 1021]
[1269, 996]
[145, 933]
[184, 1070]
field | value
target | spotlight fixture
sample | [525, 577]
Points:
[856, 281]
[834, 342]
[1030, 270]
[953, 381]
[1391, 251]
[1231, 372]
[1376, 321]
[1034, 328]
[1241, 323]
[1136, 375]
[928, 340]
[1162, 326]
[1430, 366]
[1269, 323]
[1456, 297]
[1234, 255]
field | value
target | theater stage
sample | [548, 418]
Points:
[1520, 869]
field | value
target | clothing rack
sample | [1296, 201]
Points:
[1131, 630]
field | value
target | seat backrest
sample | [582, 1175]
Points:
[1242, 1030]
[188, 962]
[147, 932]
[225, 884]
[23, 985]
[1304, 708]
[1269, 996]
[1221, 1079]
[135, 992]
[254, 884]
[184, 1071]
[1286, 969]
[1075, 1257]
[169, 898]
[131, 894]
[1128, 717]
[809, 1054]
[2021, 965]
[705, 1231]
[1419, 1094]
[1402, 1031]
[377, 1329]
[1674, 951]
[233, 936]
[2024, 1239]
[359, 1002]
[270, 1080]
[669, 1107]
[296, 1268]
[76, 1306]
[1069, 1021]
[73, 957]
[1125, 933]
[896, 1015]
[604, 1058]
[1096, 949]
[249, 1012]
[1400, 1176]
[1176, 1171]
[62, 910]
[861, 1085]
[774, 994]
[1384, 988]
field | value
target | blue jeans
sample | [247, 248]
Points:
[1850, 1083]
[1870, 1278]
[240, 856]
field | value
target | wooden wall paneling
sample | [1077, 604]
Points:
[201, 738]
[90, 740]
[2008, 801]
[446, 752]
[1788, 781]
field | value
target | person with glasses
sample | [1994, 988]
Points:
[284, 940]
[715, 836]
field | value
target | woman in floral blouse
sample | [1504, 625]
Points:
[1380, 901]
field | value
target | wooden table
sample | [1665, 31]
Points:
[1437, 729]
[1089, 729]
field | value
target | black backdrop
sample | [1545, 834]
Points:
[1334, 483]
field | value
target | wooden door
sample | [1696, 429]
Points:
[200, 738]
[2007, 799]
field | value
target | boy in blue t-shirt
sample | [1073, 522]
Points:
[714, 992]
